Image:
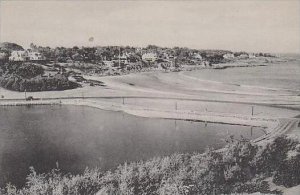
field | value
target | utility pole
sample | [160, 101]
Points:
[123, 100]
[119, 56]
[175, 119]
[252, 110]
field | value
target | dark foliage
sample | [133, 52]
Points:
[239, 169]
[10, 46]
[28, 77]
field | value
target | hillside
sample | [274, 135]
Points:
[10, 46]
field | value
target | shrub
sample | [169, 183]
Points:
[209, 173]
[55, 83]
[26, 76]
[28, 70]
[288, 171]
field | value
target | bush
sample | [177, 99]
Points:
[27, 76]
[56, 83]
[288, 171]
[209, 173]
[28, 70]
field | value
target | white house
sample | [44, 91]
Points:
[251, 55]
[150, 57]
[27, 55]
[228, 56]
[122, 59]
[243, 56]
[35, 56]
[108, 63]
[18, 56]
[197, 56]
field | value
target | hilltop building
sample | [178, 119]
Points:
[243, 56]
[197, 56]
[26, 55]
[35, 56]
[121, 59]
[251, 55]
[19, 56]
[150, 57]
[228, 56]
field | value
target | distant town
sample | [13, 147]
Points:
[43, 68]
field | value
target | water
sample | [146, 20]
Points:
[283, 75]
[77, 137]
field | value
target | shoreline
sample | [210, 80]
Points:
[187, 115]
[273, 127]
[270, 125]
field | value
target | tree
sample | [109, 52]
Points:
[77, 57]
[33, 47]
[3, 58]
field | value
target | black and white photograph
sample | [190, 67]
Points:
[149, 97]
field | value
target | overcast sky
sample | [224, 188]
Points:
[268, 26]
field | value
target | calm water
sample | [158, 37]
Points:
[278, 75]
[78, 137]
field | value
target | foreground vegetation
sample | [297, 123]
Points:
[241, 167]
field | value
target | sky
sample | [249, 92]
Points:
[253, 26]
